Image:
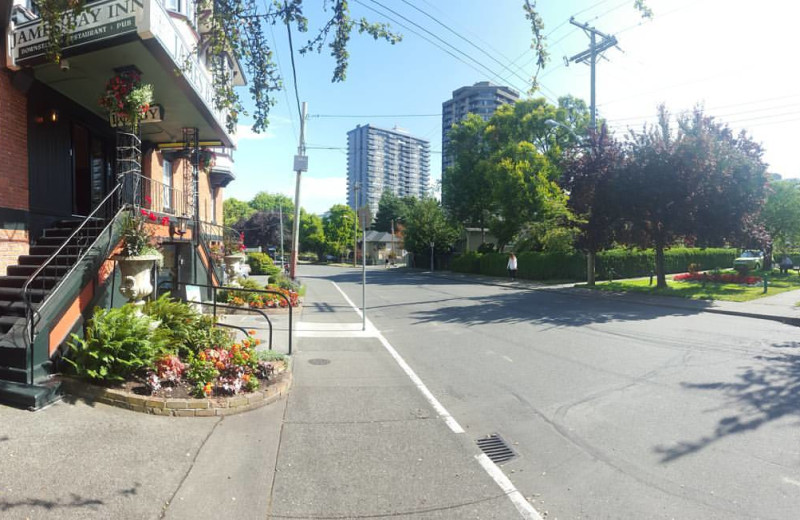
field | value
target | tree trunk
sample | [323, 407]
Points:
[768, 257]
[590, 258]
[660, 275]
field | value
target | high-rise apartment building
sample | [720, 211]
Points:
[385, 160]
[482, 98]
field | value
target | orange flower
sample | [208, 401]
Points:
[258, 341]
[246, 378]
[251, 332]
[202, 356]
[220, 365]
[245, 356]
[246, 342]
[207, 389]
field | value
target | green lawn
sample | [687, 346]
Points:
[778, 283]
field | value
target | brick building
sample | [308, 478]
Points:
[62, 157]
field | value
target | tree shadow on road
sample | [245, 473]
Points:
[518, 304]
[545, 307]
[763, 393]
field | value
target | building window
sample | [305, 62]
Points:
[166, 179]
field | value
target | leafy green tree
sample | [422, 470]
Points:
[338, 227]
[312, 234]
[701, 184]
[234, 210]
[467, 192]
[263, 201]
[392, 208]
[427, 223]
[781, 214]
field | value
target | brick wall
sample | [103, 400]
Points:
[13, 169]
[13, 145]
[13, 243]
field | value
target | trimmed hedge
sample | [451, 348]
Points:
[261, 263]
[624, 262]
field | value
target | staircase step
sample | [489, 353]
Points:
[50, 249]
[13, 357]
[15, 293]
[31, 397]
[41, 282]
[40, 259]
[14, 308]
[27, 270]
[6, 322]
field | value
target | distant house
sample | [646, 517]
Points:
[381, 245]
[471, 239]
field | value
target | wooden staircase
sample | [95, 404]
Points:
[15, 337]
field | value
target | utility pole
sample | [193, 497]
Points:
[356, 188]
[300, 166]
[280, 216]
[590, 55]
[363, 271]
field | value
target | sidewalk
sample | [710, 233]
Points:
[780, 308]
[355, 438]
[360, 440]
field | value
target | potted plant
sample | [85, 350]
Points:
[126, 97]
[233, 246]
[137, 257]
[207, 159]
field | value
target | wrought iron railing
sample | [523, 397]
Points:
[146, 193]
[49, 276]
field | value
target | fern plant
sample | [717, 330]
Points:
[118, 343]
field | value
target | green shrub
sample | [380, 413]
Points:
[261, 264]
[469, 262]
[624, 263]
[118, 342]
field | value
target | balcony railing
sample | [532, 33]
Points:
[149, 194]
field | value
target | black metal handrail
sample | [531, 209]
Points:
[215, 288]
[83, 250]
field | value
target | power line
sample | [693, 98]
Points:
[294, 71]
[283, 86]
[465, 39]
[373, 115]
[496, 76]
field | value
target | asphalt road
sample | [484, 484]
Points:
[615, 410]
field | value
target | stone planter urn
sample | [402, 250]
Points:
[136, 283]
[233, 266]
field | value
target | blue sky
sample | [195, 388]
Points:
[732, 56]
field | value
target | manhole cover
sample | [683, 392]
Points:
[319, 361]
[496, 448]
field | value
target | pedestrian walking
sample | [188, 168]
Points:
[512, 266]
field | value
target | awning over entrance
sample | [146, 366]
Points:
[111, 34]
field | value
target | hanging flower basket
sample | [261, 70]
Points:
[207, 159]
[127, 98]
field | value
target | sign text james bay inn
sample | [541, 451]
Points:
[98, 21]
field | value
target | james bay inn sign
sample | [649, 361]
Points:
[98, 21]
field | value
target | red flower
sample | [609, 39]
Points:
[152, 216]
[147, 199]
[144, 212]
[165, 221]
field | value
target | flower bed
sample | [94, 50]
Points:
[717, 278]
[260, 300]
[168, 350]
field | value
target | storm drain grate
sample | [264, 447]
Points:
[496, 448]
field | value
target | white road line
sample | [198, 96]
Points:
[523, 506]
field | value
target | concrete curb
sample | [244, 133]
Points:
[215, 407]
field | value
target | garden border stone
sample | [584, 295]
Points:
[181, 407]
